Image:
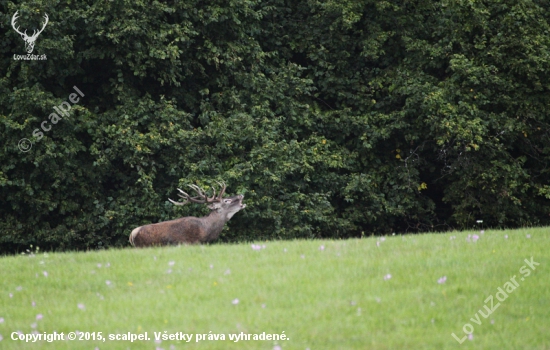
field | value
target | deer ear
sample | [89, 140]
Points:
[215, 206]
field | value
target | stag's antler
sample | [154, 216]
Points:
[202, 197]
[47, 19]
[13, 20]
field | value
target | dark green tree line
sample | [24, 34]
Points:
[334, 119]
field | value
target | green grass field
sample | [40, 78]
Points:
[398, 292]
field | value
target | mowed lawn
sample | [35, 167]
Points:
[395, 292]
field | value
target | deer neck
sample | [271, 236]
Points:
[214, 223]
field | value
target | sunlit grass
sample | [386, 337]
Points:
[397, 292]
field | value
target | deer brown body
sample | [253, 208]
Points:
[190, 230]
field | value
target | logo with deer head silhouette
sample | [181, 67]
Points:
[29, 40]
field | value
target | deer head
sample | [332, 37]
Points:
[29, 40]
[228, 206]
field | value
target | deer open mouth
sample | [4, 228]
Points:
[241, 197]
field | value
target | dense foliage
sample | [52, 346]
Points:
[333, 118]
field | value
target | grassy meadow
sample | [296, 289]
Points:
[395, 292]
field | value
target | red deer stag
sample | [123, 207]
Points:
[190, 230]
